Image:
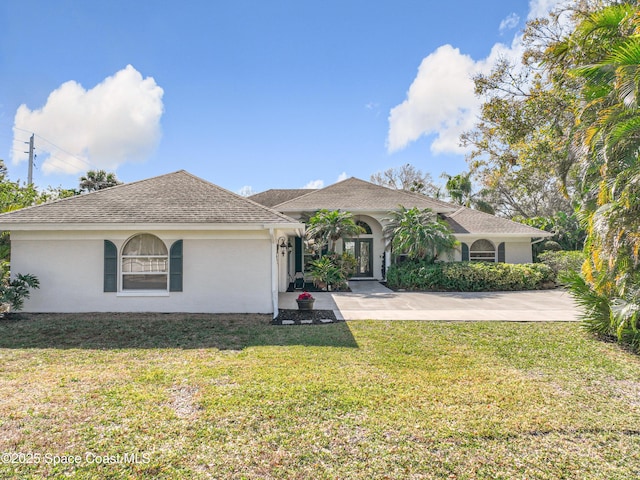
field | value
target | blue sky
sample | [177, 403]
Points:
[246, 94]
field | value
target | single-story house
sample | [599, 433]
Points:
[177, 243]
[483, 237]
[173, 243]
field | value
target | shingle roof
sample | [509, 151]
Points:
[466, 220]
[178, 197]
[275, 196]
[355, 195]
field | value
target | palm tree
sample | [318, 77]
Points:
[460, 190]
[607, 43]
[97, 180]
[611, 136]
[326, 227]
[418, 233]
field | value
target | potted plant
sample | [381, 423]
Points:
[325, 273]
[305, 301]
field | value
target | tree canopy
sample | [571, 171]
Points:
[326, 227]
[419, 234]
[97, 180]
[561, 133]
[407, 178]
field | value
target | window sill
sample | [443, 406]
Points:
[142, 293]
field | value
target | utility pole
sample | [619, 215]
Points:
[30, 175]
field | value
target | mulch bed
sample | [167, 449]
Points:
[310, 287]
[297, 316]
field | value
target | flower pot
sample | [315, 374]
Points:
[305, 304]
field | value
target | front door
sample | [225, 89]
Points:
[362, 250]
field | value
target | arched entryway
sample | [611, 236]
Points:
[362, 248]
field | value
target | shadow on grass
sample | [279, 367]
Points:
[107, 331]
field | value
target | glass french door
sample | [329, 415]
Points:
[362, 250]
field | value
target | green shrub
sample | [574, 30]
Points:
[346, 263]
[615, 317]
[326, 273]
[333, 270]
[14, 291]
[470, 276]
[563, 262]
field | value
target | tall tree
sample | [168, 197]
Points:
[520, 146]
[523, 146]
[460, 191]
[568, 122]
[608, 43]
[420, 234]
[98, 180]
[407, 178]
[602, 56]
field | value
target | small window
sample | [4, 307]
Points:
[482, 251]
[365, 226]
[145, 263]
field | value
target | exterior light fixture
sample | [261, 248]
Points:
[284, 247]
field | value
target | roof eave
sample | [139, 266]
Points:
[383, 211]
[32, 227]
[508, 235]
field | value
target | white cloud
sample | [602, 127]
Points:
[541, 8]
[314, 184]
[116, 121]
[509, 23]
[441, 99]
[246, 191]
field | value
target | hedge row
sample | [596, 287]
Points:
[470, 276]
[563, 262]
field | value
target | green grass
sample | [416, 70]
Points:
[205, 396]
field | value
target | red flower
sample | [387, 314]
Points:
[305, 296]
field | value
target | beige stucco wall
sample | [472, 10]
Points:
[223, 272]
[517, 250]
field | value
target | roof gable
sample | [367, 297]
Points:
[469, 221]
[178, 197]
[275, 196]
[355, 195]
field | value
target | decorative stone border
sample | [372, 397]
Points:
[304, 317]
[320, 321]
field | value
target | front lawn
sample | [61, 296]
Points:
[204, 396]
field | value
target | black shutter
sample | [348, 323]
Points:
[501, 253]
[175, 267]
[110, 267]
[299, 254]
[465, 252]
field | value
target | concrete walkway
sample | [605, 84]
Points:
[371, 300]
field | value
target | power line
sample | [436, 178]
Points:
[60, 149]
[82, 160]
[56, 158]
[55, 161]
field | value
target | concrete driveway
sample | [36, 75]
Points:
[371, 300]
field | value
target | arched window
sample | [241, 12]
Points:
[365, 226]
[482, 251]
[145, 263]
